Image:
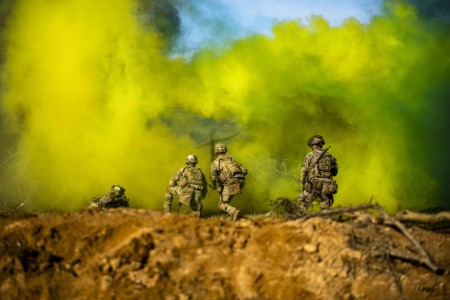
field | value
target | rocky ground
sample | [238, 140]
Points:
[127, 253]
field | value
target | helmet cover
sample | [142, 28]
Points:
[316, 140]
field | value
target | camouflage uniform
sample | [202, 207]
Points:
[115, 198]
[191, 190]
[317, 176]
[228, 176]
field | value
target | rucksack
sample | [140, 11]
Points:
[231, 168]
[325, 167]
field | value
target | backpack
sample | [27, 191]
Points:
[325, 167]
[192, 175]
[231, 168]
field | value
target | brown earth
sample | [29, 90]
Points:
[127, 253]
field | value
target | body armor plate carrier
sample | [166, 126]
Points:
[192, 176]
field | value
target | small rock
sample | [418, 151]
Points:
[310, 248]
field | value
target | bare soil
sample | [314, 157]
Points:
[127, 253]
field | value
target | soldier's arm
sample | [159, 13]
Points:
[303, 175]
[104, 199]
[175, 178]
[305, 168]
[205, 185]
[213, 175]
[243, 169]
[213, 171]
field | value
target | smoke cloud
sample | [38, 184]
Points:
[91, 97]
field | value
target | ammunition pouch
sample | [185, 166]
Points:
[317, 184]
[330, 187]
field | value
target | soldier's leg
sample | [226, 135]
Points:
[224, 202]
[304, 201]
[168, 199]
[196, 204]
[326, 201]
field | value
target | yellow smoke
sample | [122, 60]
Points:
[95, 98]
[87, 77]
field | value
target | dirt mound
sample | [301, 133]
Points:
[129, 253]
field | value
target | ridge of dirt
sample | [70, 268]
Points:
[127, 253]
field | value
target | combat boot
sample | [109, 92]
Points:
[301, 210]
[235, 215]
[301, 214]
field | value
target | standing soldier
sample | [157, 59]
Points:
[115, 198]
[318, 169]
[228, 176]
[191, 189]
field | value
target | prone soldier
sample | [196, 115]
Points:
[115, 198]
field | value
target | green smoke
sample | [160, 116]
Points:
[92, 99]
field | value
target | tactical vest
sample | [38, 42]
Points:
[324, 168]
[192, 176]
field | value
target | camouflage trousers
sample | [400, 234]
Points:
[308, 195]
[226, 195]
[194, 201]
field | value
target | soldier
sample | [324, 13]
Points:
[115, 198]
[191, 190]
[318, 169]
[228, 176]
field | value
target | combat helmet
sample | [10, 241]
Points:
[117, 189]
[316, 140]
[220, 148]
[191, 160]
